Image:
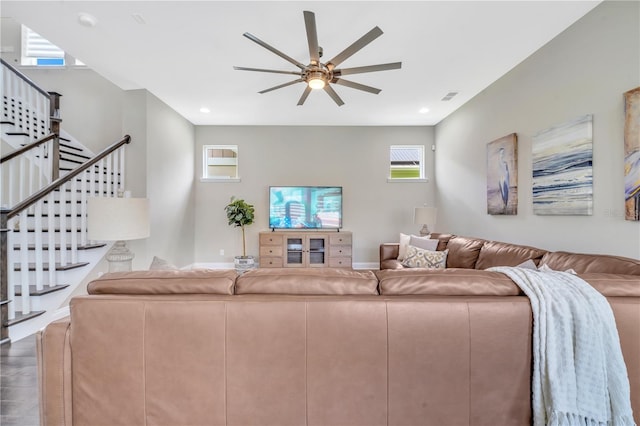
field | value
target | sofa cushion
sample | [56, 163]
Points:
[581, 263]
[494, 253]
[199, 281]
[306, 281]
[612, 285]
[421, 258]
[463, 252]
[446, 282]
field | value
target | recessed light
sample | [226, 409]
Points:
[423, 110]
[87, 20]
[205, 110]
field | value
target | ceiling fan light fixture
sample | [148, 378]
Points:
[316, 80]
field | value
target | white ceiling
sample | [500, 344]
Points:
[184, 52]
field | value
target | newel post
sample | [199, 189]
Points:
[4, 276]
[54, 123]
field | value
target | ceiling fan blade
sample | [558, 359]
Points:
[368, 68]
[357, 45]
[303, 98]
[333, 95]
[274, 50]
[312, 36]
[263, 70]
[355, 85]
[280, 86]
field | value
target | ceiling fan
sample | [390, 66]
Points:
[320, 75]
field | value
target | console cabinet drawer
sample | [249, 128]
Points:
[266, 251]
[271, 239]
[340, 251]
[340, 238]
[271, 262]
[340, 262]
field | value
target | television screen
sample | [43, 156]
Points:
[305, 207]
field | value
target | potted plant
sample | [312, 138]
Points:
[240, 213]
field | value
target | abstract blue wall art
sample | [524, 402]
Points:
[562, 158]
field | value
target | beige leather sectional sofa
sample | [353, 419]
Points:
[312, 347]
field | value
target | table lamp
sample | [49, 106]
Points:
[118, 219]
[424, 216]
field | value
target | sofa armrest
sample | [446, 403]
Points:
[54, 373]
[389, 256]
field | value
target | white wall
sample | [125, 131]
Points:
[585, 70]
[356, 158]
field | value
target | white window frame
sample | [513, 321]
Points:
[30, 55]
[205, 163]
[420, 178]
[30, 59]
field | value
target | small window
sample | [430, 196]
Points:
[406, 162]
[38, 51]
[220, 162]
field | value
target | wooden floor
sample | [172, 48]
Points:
[19, 383]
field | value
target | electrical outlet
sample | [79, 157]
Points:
[221, 252]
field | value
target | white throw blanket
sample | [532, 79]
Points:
[579, 376]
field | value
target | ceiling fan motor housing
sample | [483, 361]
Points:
[314, 72]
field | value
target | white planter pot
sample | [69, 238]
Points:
[244, 263]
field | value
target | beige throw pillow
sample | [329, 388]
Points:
[420, 258]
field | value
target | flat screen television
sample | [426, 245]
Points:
[305, 207]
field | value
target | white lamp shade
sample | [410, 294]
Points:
[117, 219]
[424, 215]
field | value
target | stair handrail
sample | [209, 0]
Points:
[66, 178]
[26, 148]
[24, 77]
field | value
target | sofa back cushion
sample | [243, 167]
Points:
[581, 263]
[613, 285]
[494, 253]
[442, 238]
[201, 281]
[463, 252]
[445, 282]
[306, 281]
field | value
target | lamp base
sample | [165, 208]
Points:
[424, 231]
[120, 257]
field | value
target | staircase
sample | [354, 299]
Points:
[45, 182]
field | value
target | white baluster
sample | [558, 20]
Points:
[109, 180]
[11, 199]
[24, 262]
[11, 261]
[62, 211]
[74, 220]
[51, 237]
[101, 178]
[22, 190]
[122, 167]
[116, 172]
[83, 207]
[37, 218]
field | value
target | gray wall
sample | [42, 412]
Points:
[584, 70]
[356, 158]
